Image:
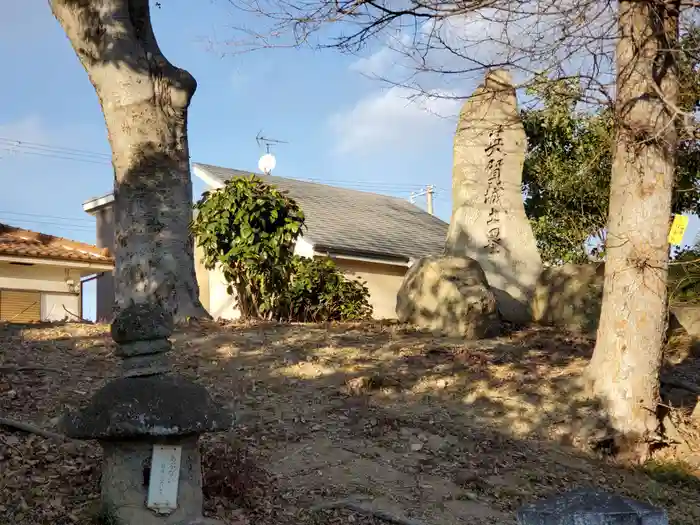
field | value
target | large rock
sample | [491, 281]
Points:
[687, 317]
[450, 295]
[488, 221]
[569, 296]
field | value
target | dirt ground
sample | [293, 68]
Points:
[377, 417]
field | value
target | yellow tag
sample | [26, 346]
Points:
[680, 223]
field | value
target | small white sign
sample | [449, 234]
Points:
[165, 479]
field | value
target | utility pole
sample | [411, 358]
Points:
[429, 191]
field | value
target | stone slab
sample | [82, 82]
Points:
[570, 297]
[590, 507]
[138, 348]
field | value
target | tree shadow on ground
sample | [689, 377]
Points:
[446, 429]
[510, 405]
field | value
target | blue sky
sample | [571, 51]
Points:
[341, 126]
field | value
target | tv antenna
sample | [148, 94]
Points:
[268, 161]
[267, 141]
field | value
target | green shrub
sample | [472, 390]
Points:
[320, 292]
[249, 228]
[684, 277]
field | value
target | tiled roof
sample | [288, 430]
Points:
[27, 243]
[356, 222]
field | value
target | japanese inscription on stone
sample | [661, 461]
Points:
[494, 188]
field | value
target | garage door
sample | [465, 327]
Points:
[19, 306]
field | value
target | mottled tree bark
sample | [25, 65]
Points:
[144, 99]
[628, 353]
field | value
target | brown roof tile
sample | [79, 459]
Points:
[27, 243]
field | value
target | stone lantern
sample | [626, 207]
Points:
[148, 422]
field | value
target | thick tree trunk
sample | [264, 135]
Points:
[628, 353]
[144, 99]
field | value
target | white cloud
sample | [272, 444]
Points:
[396, 116]
[376, 64]
[387, 59]
[464, 46]
[561, 36]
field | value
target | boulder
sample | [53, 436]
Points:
[449, 295]
[569, 296]
[687, 317]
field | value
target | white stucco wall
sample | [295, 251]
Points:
[382, 280]
[39, 277]
[219, 303]
[52, 307]
[303, 248]
[51, 281]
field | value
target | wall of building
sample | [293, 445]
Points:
[51, 281]
[202, 275]
[104, 285]
[37, 277]
[221, 304]
[212, 285]
[382, 280]
[60, 307]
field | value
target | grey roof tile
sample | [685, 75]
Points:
[356, 222]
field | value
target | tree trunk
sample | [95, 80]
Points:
[628, 353]
[144, 99]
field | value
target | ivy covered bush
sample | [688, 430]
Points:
[249, 228]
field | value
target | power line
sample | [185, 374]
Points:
[44, 216]
[54, 156]
[17, 223]
[14, 146]
[37, 145]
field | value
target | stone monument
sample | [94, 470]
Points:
[590, 507]
[488, 221]
[148, 421]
